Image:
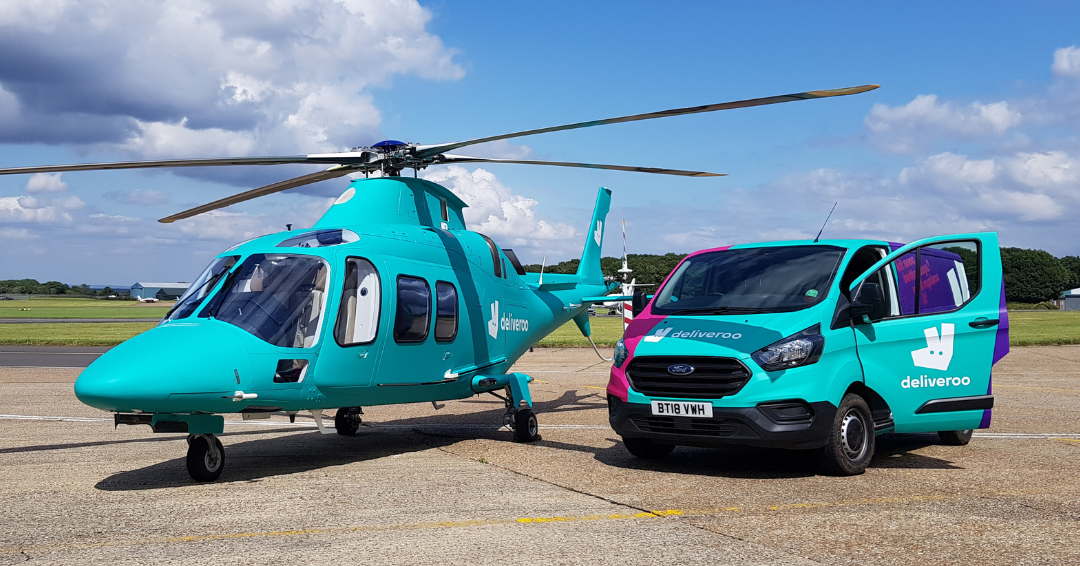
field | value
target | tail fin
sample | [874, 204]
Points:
[589, 268]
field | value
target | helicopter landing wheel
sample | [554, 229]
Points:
[347, 420]
[526, 428]
[205, 457]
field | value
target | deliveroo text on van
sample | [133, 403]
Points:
[924, 381]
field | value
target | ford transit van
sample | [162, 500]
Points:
[816, 345]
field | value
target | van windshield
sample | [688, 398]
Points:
[750, 280]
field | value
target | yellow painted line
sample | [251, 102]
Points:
[642, 515]
[1070, 439]
[595, 387]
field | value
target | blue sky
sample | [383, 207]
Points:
[976, 126]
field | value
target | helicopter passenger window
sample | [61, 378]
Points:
[279, 298]
[446, 311]
[413, 309]
[358, 314]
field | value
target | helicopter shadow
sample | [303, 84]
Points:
[303, 452]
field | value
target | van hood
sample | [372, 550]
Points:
[734, 336]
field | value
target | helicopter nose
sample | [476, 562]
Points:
[165, 369]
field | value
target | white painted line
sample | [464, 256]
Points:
[274, 423]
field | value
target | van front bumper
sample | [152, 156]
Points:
[747, 426]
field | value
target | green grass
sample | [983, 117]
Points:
[1034, 328]
[81, 308]
[1044, 328]
[71, 334]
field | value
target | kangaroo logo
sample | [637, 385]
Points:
[659, 335]
[493, 324]
[939, 349]
[599, 232]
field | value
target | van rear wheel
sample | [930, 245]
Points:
[647, 449]
[851, 441]
[955, 437]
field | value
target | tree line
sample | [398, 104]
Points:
[33, 287]
[1031, 276]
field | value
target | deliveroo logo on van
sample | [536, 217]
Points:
[939, 348]
[659, 335]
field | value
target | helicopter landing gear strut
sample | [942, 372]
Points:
[519, 414]
[205, 457]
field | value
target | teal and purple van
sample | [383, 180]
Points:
[814, 345]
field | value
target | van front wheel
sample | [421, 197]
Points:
[851, 440]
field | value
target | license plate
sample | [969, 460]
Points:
[681, 409]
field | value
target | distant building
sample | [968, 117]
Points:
[161, 291]
[1070, 300]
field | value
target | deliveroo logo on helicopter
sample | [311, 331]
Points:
[599, 232]
[505, 322]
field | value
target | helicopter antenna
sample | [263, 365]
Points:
[826, 222]
[542, 266]
[288, 227]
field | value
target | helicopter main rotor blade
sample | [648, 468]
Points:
[450, 158]
[429, 150]
[351, 157]
[331, 173]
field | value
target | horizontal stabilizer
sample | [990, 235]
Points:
[607, 298]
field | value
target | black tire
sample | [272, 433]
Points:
[205, 457]
[955, 437]
[347, 421]
[851, 440]
[647, 449]
[526, 429]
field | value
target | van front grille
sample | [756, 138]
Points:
[686, 426]
[712, 378]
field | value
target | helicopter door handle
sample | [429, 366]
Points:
[984, 322]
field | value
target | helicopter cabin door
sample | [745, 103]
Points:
[351, 356]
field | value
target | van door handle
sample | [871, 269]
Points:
[984, 322]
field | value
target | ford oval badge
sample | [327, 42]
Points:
[680, 369]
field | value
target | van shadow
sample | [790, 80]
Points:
[303, 450]
[897, 451]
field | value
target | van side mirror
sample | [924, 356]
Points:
[640, 301]
[870, 303]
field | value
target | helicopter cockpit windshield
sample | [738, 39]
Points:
[207, 280]
[277, 297]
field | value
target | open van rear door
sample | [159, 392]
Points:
[939, 325]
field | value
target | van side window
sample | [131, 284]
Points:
[413, 314]
[943, 277]
[358, 313]
[446, 311]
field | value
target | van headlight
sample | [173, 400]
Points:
[800, 349]
[621, 353]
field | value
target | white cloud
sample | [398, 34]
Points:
[45, 183]
[1067, 62]
[9, 105]
[225, 226]
[30, 210]
[495, 211]
[906, 128]
[230, 77]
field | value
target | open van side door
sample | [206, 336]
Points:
[939, 324]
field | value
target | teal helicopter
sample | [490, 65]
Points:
[389, 298]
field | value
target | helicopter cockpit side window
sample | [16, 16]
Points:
[278, 298]
[358, 315]
[413, 316]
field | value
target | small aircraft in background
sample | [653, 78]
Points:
[389, 298]
[147, 299]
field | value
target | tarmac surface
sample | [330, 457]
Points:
[420, 486]
[49, 356]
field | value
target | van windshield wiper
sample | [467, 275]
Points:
[722, 310]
